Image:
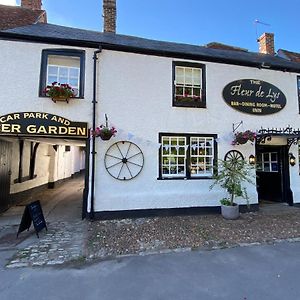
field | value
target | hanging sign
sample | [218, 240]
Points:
[254, 97]
[41, 124]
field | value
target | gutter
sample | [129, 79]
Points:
[95, 58]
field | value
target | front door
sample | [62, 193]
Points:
[273, 181]
[5, 171]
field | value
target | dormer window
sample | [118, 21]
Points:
[63, 66]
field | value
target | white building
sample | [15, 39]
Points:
[175, 107]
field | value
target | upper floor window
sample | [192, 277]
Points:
[189, 84]
[187, 156]
[63, 66]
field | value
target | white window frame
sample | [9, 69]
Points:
[199, 147]
[59, 67]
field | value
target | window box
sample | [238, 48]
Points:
[189, 84]
[65, 66]
[187, 156]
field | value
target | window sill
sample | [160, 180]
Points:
[189, 104]
[81, 97]
[184, 178]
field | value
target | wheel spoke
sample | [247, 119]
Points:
[134, 164]
[114, 156]
[128, 150]
[129, 171]
[120, 171]
[120, 151]
[134, 155]
[114, 165]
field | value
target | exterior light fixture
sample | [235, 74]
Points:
[292, 159]
[252, 159]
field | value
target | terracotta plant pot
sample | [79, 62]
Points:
[230, 212]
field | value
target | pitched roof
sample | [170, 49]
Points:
[16, 16]
[292, 56]
[60, 35]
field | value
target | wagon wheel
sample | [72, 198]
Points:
[234, 158]
[124, 160]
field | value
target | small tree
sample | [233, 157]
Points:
[231, 175]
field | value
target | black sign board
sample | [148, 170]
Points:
[254, 97]
[33, 213]
[41, 124]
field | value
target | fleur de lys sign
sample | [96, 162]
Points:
[254, 96]
[41, 124]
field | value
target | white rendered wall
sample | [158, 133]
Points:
[20, 80]
[136, 93]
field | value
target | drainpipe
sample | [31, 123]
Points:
[95, 58]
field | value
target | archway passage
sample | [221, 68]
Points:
[40, 152]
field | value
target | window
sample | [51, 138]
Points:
[267, 162]
[63, 66]
[189, 156]
[189, 85]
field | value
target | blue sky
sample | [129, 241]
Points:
[189, 21]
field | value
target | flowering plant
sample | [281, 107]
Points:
[243, 137]
[56, 90]
[104, 131]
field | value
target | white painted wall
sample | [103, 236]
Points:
[136, 93]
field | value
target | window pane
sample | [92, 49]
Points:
[74, 72]
[266, 167]
[273, 156]
[52, 70]
[196, 77]
[189, 76]
[63, 72]
[66, 61]
[179, 76]
[274, 167]
[51, 79]
[73, 82]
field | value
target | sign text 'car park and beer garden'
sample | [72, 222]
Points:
[254, 96]
[41, 124]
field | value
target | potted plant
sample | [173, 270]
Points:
[60, 92]
[104, 131]
[243, 137]
[231, 176]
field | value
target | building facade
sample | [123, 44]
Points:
[176, 109]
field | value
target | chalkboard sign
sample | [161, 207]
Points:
[33, 213]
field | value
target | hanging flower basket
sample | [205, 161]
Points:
[104, 131]
[243, 137]
[105, 136]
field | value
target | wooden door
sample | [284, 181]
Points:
[5, 174]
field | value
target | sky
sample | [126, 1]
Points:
[196, 22]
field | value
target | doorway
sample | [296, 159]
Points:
[5, 174]
[273, 179]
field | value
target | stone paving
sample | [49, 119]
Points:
[62, 243]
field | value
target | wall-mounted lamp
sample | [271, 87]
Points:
[292, 159]
[252, 159]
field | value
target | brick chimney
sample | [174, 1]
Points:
[266, 43]
[109, 15]
[32, 4]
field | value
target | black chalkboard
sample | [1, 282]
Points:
[33, 213]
